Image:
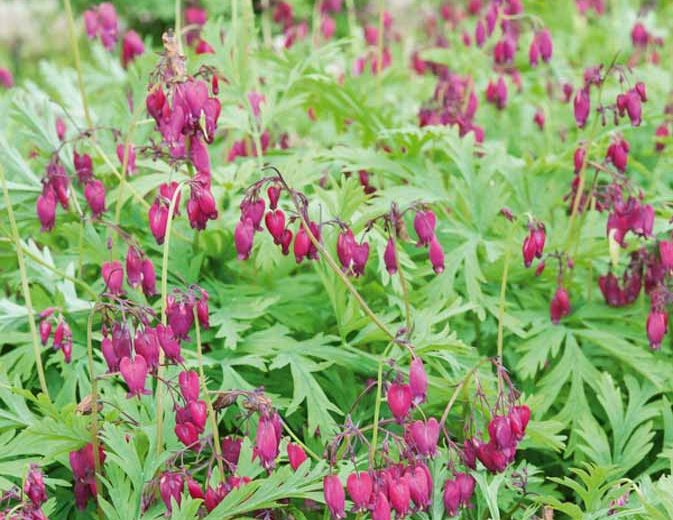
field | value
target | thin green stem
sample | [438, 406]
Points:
[94, 403]
[460, 386]
[80, 260]
[209, 405]
[125, 161]
[501, 313]
[164, 294]
[78, 64]
[333, 265]
[23, 273]
[377, 405]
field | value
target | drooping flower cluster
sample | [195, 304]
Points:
[186, 117]
[62, 337]
[101, 22]
[378, 57]
[454, 104]
[190, 419]
[25, 503]
[83, 468]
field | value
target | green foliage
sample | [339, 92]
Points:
[602, 424]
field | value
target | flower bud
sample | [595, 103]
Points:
[345, 246]
[45, 331]
[559, 305]
[46, 209]
[273, 192]
[180, 317]
[580, 154]
[132, 47]
[466, 484]
[130, 152]
[424, 224]
[302, 244]
[519, 417]
[158, 217]
[418, 380]
[83, 167]
[582, 106]
[134, 267]
[296, 455]
[436, 255]
[390, 257]
[657, 327]
[243, 238]
[149, 278]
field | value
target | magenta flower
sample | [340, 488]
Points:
[132, 47]
[360, 487]
[296, 455]
[657, 327]
[113, 276]
[335, 498]
[399, 400]
[559, 305]
[189, 385]
[418, 380]
[582, 106]
[134, 371]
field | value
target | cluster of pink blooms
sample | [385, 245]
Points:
[352, 254]
[504, 50]
[101, 22]
[195, 19]
[373, 54]
[62, 336]
[56, 185]
[83, 467]
[454, 103]
[584, 6]
[55, 189]
[190, 419]
[644, 41]
[649, 269]
[187, 118]
[26, 503]
[405, 485]
[628, 103]
[505, 432]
